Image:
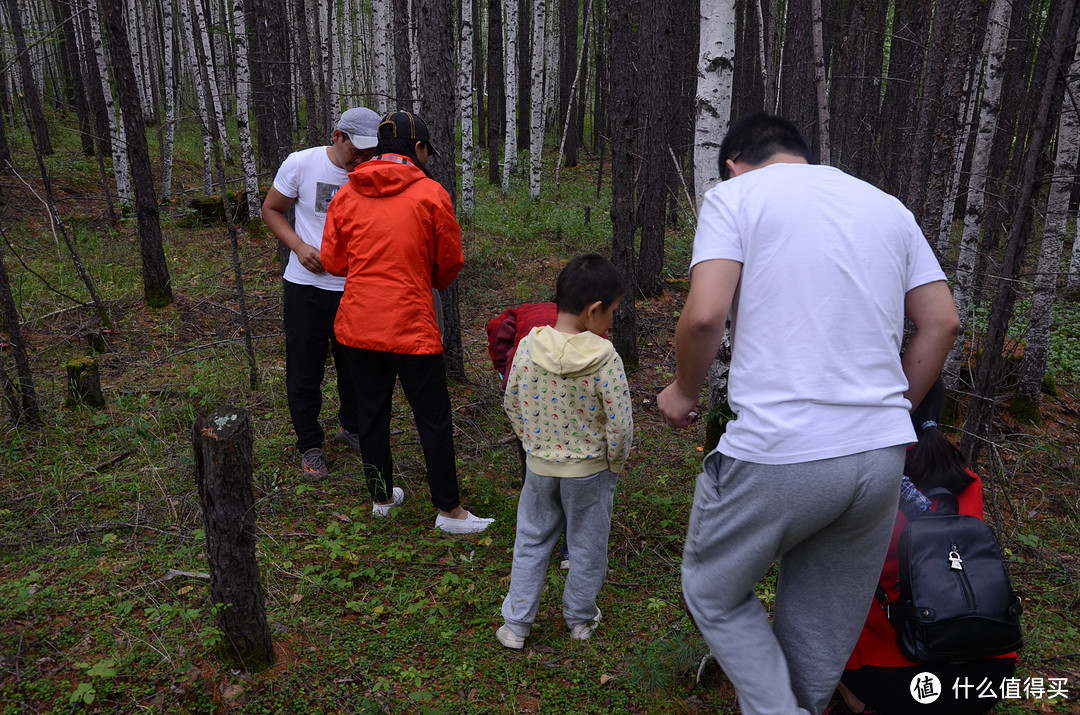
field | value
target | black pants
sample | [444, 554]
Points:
[423, 379]
[309, 331]
[888, 690]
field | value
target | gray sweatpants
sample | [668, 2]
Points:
[829, 523]
[584, 504]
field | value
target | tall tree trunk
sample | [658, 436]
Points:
[478, 75]
[203, 102]
[900, 106]
[243, 91]
[75, 86]
[24, 401]
[1044, 293]
[524, 72]
[201, 38]
[997, 34]
[536, 115]
[971, 94]
[570, 109]
[380, 24]
[307, 84]
[435, 25]
[403, 87]
[621, 21]
[117, 130]
[31, 97]
[496, 99]
[818, 46]
[798, 99]
[713, 105]
[569, 69]
[991, 365]
[271, 80]
[170, 95]
[157, 287]
[468, 149]
[510, 149]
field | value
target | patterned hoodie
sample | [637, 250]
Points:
[568, 400]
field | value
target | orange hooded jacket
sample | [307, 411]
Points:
[391, 232]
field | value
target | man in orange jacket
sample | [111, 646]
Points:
[391, 232]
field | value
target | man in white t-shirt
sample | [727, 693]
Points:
[308, 179]
[818, 271]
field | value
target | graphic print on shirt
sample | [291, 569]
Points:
[323, 193]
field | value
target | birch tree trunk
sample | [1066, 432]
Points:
[824, 141]
[465, 87]
[32, 98]
[510, 144]
[169, 92]
[380, 24]
[203, 36]
[998, 33]
[536, 134]
[971, 91]
[243, 90]
[189, 30]
[117, 131]
[713, 105]
[66, 17]
[1044, 293]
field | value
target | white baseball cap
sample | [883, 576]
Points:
[362, 127]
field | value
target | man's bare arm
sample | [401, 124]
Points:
[931, 308]
[698, 336]
[274, 207]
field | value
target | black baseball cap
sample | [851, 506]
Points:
[406, 125]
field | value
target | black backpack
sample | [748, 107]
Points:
[956, 600]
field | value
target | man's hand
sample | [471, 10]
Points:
[677, 408]
[309, 258]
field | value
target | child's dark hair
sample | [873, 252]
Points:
[754, 138]
[587, 278]
[934, 462]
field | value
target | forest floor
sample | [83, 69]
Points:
[104, 605]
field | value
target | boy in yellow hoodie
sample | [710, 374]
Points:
[568, 400]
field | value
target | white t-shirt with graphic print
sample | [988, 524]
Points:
[312, 179]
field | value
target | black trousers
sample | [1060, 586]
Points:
[423, 379]
[309, 333]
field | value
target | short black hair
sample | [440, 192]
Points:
[588, 278]
[397, 145]
[934, 461]
[754, 138]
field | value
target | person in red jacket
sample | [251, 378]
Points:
[391, 231]
[877, 678]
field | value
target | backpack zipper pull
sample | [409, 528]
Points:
[955, 562]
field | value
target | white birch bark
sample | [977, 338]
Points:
[465, 81]
[243, 93]
[959, 151]
[1044, 292]
[203, 36]
[380, 23]
[510, 10]
[963, 284]
[137, 43]
[414, 68]
[188, 31]
[117, 134]
[536, 119]
[824, 141]
[169, 93]
[714, 87]
[334, 79]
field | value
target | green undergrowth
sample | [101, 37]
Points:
[104, 603]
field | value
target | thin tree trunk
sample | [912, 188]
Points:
[824, 142]
[307, 85]
[76, 87]
[468, 148]
[971, 91]
[203, 103]
[169, 90]
[536, 140]
[997, 32]
[157, 287]
[569, 107]
[202, 40]
[243, 89]
[23, 396]
[569, 68]
[496, 130]
[510, 145]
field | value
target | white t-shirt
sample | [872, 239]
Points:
[818, 316]
[312, 179]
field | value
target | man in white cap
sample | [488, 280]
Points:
[308, 179]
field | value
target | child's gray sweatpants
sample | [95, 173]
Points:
[585, 504]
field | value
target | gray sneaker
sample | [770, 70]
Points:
[314, 463]
[349, 439]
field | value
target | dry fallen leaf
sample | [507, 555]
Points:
[296, 598]
[605, 679]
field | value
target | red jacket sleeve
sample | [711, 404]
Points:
[449, 257]
[334, 253]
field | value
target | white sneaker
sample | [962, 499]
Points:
[471, 524]
[584, 631]
[381, 510]
[509, 639]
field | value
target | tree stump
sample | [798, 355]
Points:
[84, 382]
[223, 466]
